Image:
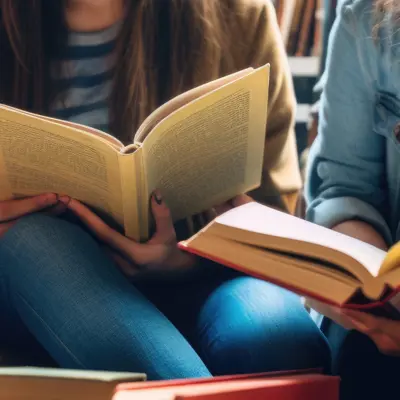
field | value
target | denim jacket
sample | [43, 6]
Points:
[354, 170]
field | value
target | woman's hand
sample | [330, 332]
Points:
[228, 205]
[11, 210]
[160, 253]
[385, 333]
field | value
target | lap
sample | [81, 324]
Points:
[87, 314]
[239, 324]
[83, 310]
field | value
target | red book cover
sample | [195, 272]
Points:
[278, 386]
[314, 388]
[382, 308]
[224, 378]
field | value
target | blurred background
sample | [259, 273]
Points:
[305, 26]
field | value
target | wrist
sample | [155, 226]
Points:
[362, 231]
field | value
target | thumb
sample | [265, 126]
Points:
[165, 231]
[241, 199]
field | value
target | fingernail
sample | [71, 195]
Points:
[50, 198]
[158, 198]
[65, 200]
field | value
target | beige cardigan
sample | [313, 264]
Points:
[255, 42]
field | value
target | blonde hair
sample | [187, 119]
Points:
[386, 15]
[388, 5]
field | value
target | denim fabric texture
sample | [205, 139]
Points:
[59, 284]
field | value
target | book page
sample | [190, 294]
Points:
[302, 237]
[177, 102]
[38, 156]
[211, 149]
[71, 374]
[100, 134]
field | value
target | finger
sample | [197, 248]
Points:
[241, 200]
[59, 208]
[369, 324]
[181, 259]
[372, 326]
[13, 209]
[106, 234]
[210, 215]
[165, 231]
[386, 344]
[223, 208]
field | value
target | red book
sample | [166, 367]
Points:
[308, 259]
[285, 386]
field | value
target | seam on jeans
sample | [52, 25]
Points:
[51, 332]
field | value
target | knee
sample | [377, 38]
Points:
[40, 246]
[36, 231]
[262, 328]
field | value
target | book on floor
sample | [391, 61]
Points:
[59, 384]
[278, 386]
[306, 258]
[25, 383]
[201, 148]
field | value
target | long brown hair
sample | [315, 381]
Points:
[165, 47]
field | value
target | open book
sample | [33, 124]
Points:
[200, 149]
[306, 258]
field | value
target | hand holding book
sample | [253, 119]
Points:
[12, 210]
[311, 260]
[160, 253]
[220, 209]
[384, 332]
[201, 148]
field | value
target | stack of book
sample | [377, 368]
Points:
[57, 384]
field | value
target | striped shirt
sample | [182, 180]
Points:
[85, 76]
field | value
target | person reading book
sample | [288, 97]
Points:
[354, 178]
[108, 64]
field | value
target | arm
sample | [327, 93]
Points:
[362, 231]
[281, 175]
[346, 188]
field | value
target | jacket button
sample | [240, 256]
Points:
[396, 132]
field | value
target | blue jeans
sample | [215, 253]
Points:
[56, 281]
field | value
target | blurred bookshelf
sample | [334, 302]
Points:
[301, 25]
[304, 66]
